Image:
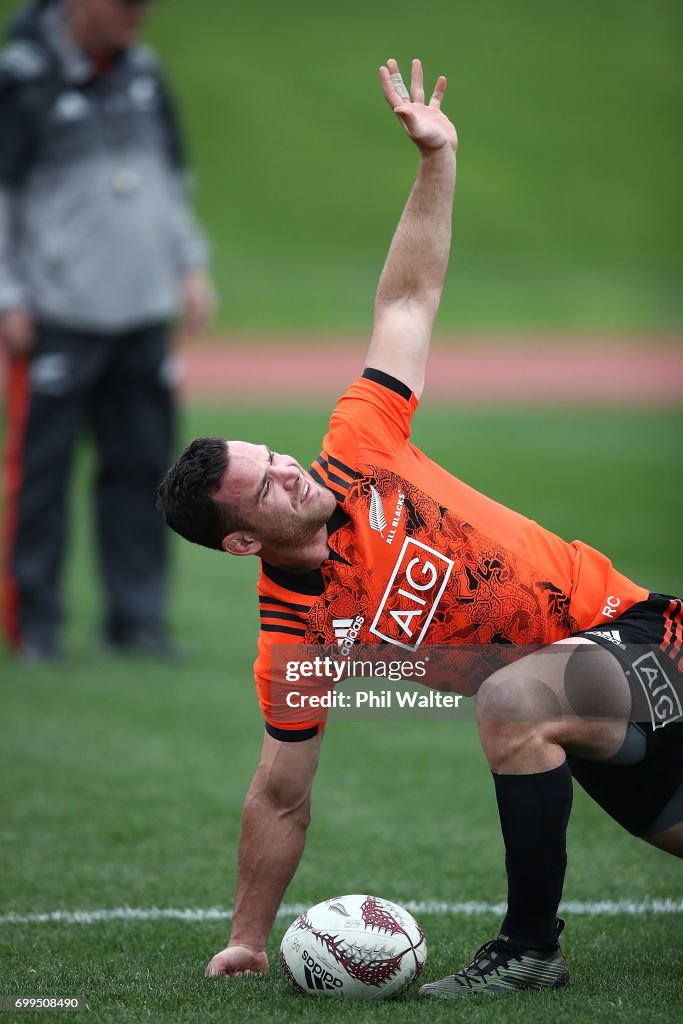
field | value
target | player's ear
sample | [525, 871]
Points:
[237, 543]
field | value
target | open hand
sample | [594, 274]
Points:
[427, 126]
[198, 298]
[237, 961]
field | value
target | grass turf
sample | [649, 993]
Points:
[124, 779]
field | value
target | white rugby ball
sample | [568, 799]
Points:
[353, 947]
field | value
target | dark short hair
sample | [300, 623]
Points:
[185, 495]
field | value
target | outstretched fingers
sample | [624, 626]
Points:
[395, 91]
[427, 126]
[439, 90]
[416, 83]
[393, 87]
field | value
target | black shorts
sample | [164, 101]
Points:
[647, 641]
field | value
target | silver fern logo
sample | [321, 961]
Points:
[339, 908]
[377, 519]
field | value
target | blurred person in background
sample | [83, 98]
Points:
[98, 252]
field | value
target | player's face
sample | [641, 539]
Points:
[280, 502]
[115, 23]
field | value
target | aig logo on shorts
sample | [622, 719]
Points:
[662, 699]
[413, 592]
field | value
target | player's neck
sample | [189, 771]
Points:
[302, 560]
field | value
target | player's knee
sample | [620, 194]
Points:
[513, 697]
[515, 713]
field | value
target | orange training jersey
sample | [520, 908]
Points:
[418, 557]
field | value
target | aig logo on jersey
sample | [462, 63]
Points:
[662, 699]
[413, 592]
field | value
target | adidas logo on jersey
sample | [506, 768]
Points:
[346, 632]
[613, 635]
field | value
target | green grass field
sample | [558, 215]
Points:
[123, 779]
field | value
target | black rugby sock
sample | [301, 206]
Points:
[534, 811]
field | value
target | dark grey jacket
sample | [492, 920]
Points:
[95, 230]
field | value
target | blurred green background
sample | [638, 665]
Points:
[569, 201]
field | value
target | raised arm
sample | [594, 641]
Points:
[411, 284]
[274, 822]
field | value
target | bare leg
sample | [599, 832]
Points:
[670, 840]
[570, 696]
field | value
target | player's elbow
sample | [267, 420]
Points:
[420, 305]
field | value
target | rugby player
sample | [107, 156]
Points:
[373, 515]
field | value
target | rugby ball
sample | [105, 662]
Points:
[353, 947]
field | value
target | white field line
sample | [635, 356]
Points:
[596, 908]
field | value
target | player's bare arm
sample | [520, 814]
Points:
[411, 283]
[274, 822]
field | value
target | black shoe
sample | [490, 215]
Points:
[144, 640]
[499, 967]
[40, 649]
